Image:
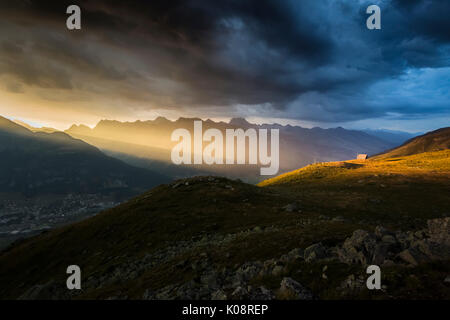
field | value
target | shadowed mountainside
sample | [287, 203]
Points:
[38, 162]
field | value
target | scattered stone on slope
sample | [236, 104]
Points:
[384, 247]
[291, 289]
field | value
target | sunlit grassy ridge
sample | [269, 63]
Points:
[423, 163]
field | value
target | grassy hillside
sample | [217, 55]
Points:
[432, 141]
[204, 237]
[393, 189]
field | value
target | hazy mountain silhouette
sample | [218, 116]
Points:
[37, 162]
[393, 136]
[34, 129]
[298, 146]
[432, 141]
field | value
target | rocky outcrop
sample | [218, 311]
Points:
[210, 281]
[385, 247]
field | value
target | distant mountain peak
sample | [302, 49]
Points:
[239, 122]
[160, 119]
[80, 129]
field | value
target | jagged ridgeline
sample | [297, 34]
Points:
[148, 144]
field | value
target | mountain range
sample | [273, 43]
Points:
[148, 144]
[39, 162]
[393, 136]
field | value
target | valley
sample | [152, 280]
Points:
[22, 217]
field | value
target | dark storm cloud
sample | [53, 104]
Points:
[427, 18]
[313, 60]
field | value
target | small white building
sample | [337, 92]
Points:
[361, 156]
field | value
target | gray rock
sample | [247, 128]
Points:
[380, 254]
[239, 293]
[421, 234]
[219, 295]
[292, 207]
[295, 254]
[388, 263]
[315, 252]
[260, 293]
[381, 231]
[439, 230]
[277, 271]
[447, 279]
[359, 248]
[389, 239]
[210, 280]
[413, 256]
[338, 219]
[291, 289]
[353, 284]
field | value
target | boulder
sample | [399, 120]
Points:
[381, 231]
[292, 207]
[413, 256]
[350, 255]
[439, 230]
[389, 240]
[359, 248]
[260, 293]
[219, 295]
[291, 289]
[353, 284]
[380, 254]
[277, 271]
[315, 252]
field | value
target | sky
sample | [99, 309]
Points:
[309, 62]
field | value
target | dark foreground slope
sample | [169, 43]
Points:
[48, 163]
[308, 234]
